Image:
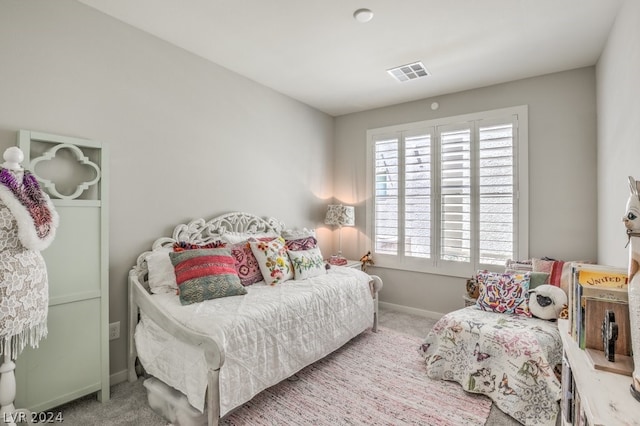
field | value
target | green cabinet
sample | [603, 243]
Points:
[73, 360]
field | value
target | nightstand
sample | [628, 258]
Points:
[353, 264]
[350, 263]
[468, 301]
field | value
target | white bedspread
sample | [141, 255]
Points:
[266, 335]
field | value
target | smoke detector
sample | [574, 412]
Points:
[363, 15]
[409, 72]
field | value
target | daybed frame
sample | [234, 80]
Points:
[198, 231]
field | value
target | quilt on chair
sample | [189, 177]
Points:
[509, 358]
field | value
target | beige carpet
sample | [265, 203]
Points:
[128, 405]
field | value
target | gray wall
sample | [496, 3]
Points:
[187, 138]
[618, 88]
[172, 119]
[562, 174]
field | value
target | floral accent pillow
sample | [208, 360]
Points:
[506, 293]
[205, 274]
[307, 263]
[272, 259]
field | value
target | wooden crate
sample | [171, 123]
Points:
[594, 315]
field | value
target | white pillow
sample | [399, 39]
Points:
[162, 276]
[307, 263]
[238, 237]
[272, 259]
[294, 234]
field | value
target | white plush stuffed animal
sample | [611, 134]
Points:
[546, 301]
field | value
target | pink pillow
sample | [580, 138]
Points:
[246, 264]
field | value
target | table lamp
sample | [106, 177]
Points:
[339, 215]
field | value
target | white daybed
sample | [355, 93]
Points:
[221, 352]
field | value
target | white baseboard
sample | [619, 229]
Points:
[410, 310]
[119, 377]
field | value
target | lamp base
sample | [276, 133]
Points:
[338, 260]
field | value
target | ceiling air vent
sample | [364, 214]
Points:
[409, 71]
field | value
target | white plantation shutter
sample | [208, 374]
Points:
[387, 171]
[445, 193]
[496, 193]
[455, 194]
[417, 195]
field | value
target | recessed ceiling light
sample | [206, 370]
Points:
[409, 72]
[363, 15]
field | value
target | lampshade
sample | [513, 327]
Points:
[340, 215]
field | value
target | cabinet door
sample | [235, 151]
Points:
[66, 365]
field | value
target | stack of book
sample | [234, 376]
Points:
[595, 290]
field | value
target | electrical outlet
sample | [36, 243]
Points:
[114, 330]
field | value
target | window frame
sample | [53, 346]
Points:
[521, 191]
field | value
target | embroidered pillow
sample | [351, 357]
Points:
[205, 274]
[246, 264]
[307, 263]
[306, 243]
[162, 279]
[504, 292]
[272, 259]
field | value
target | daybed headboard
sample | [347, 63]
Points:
[199, 231]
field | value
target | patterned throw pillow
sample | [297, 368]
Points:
[519, 265]
[307, 263]
[180, 246]
[306, 243]
[273, 260]
[504, 292]
[205, 274]
[246, 263]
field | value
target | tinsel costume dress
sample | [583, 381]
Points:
[27, 225]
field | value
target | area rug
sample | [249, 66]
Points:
[375, 379]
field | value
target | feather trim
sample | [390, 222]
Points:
[13, 345]
[26, 226]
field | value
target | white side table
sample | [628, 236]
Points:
[468, 301]
[353, 264]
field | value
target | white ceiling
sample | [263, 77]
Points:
[314, 51]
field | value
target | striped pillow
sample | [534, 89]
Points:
[205, 274]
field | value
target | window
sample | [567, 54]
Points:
[449, 196]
